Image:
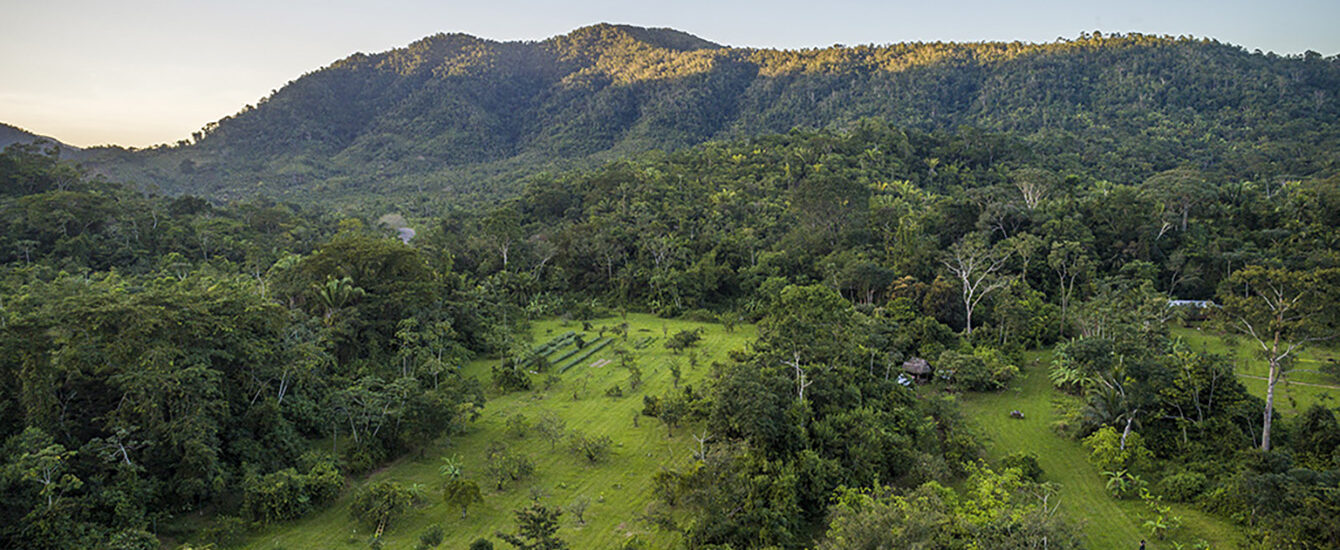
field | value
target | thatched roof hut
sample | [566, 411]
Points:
[917, 367]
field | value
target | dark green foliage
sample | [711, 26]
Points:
[510, 376]
[983, 370]
[1183, 486]
[1026, 463]
[286, 494]
[431, 537]
[682, 340]
[207, 347]
[475, 115]
[481, 544]
[537, 529]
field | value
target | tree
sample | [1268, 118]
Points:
[45, 462]
[976, 265]
[593, 448]
[1033, 184]
[1070, 263]
[461, 493]
[578, 508]
[381, 503]
[537, 529]
[1177, 192]
[551, 427]
[1281, 310]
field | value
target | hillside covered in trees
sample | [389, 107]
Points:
[454, 117]
[254, 360]
[214, 342]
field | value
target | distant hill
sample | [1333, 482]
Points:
[10, 135]
[459, 116]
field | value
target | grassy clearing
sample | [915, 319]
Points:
[1107, 522]
[619, 489]
[1301, 387]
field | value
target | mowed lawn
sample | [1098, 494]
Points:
[1107, 522]
[1302, 386]
[619, 489]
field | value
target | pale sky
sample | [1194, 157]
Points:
[141, 72]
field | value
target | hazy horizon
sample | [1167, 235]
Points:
[149, 72]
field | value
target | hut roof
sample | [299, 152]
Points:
[916, 365]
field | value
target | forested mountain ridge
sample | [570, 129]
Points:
[471, 116]
[10, 134]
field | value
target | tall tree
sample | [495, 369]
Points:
[977, 267]
[1281, 310]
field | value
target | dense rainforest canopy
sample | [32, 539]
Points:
[462, 117]
[246, 354]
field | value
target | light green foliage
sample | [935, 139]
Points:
[1110, 452]
[984, 369]
[381, 504]
[995, 510]
[286, 494]
[1107, 522]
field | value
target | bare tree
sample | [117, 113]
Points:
[977, 266]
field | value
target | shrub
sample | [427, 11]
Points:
[593, 449]
[1106, 452]
[1183, 486]
[286, 494]
[683, 339]
[381, 503]
[224, 531]
[517, 425]
[510, 376]
[431, 537]
[1025, 462]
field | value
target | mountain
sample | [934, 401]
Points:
[10, 135]
[459, 116]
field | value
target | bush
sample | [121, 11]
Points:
[593, 449]
[286, 494]
[224, 531]
[510, 376]
[481, 544]
[431, 538]
[683, 339]
[381, 503]
[985, 369]
[324, 480]
[1106, 452]
[1025, 462]
[699, 315]
[651, 406]
[517, 426]
[1183, 486]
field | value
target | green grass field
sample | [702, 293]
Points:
[618, 489]
[1107, 522]
[1302, 385]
